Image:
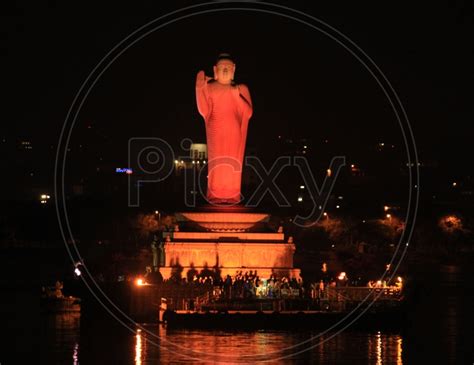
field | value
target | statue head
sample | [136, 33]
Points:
[224, 69]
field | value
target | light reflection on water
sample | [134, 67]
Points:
[385, 349]
[231, 347]
[104, 342]
[75, 354]
[138, 347]
[61, 338]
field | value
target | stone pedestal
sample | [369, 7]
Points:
[228, 241]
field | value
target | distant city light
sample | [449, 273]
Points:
[44, 198]
[389, 216]
[124, 170]
[385, 208]
[342, 276]
[338, 206]
[26, 145]
[176, 161]
[300, 198]
[305, 146]
[329, 172]
[454, 183]
[301, 186]
[140, 282]
[77, 271]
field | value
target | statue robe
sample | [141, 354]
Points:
[226, 110]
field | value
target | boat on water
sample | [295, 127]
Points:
[54, 301]
[368, 307]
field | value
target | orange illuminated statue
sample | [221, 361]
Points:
[226, 108]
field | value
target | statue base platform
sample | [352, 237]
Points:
[227, 240]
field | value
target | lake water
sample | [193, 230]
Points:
[439, 330]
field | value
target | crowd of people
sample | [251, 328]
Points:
[249, 285]
[242, 285]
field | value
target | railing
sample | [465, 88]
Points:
[179, 296]
[232, 292]
[207, 298]
[358, 294]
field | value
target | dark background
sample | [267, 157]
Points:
[303, 84]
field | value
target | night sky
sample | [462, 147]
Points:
[303, 84]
